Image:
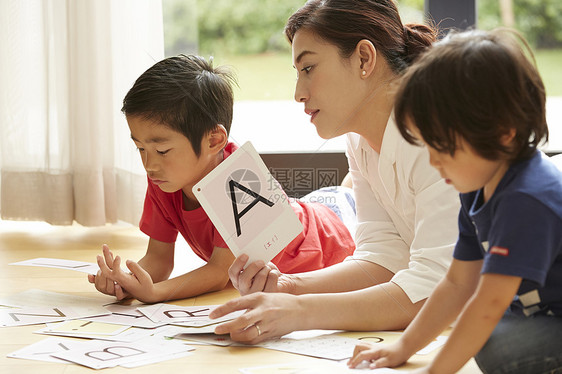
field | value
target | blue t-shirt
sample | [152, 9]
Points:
[518, 232]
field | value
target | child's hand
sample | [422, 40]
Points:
[138, 283]
[388, 356]
[102, 280]
[256, 277]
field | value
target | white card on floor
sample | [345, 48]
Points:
[126, 315]
[248, 206]
[80, 326]
[43, 349]
[328, 346]
[101, 355]
[318, 366]
[40, 298]
[192, 316]
[34, 316]
[83, 267]
[208, 338]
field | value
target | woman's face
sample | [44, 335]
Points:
[328, 85]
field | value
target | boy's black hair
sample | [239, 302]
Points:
[186, 94]
[476, 85]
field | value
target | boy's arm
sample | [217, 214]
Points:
[212, 276]
[478, 319]
[439, 311]
[158, 260]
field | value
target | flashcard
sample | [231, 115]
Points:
[208, 338]
[34, 316]
[318, 366]
[79, 326]
[83, 267]
[181, 350]
[330, 347]
[248, 206]
[101, 355]
[131, 334]
[126, 315]
[191, 316]
[189, 330]
[43, 349]
[40, 298]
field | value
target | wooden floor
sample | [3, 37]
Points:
[20, 241]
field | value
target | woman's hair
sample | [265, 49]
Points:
[186, 94]
[475, 85]
[346, 22]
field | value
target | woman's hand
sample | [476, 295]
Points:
[267, 315]
[257, 277]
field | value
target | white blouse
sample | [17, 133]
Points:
[406, 213]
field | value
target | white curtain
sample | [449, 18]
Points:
[65, 66]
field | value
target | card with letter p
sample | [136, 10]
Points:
[247, 205]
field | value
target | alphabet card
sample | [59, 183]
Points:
[100, 355]
[84, 267]
[38, 315]
[189, 316]
[248, 206]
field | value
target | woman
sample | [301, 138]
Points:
[349, 54]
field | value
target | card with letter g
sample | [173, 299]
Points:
[248, 206]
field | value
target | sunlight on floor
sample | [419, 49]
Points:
[185, 260]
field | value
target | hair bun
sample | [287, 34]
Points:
[417, 38]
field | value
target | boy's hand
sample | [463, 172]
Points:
[257, 277]
[138, 283]
[102, 280]
[390, 356]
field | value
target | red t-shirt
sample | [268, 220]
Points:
[324, 241]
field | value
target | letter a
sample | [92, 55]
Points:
[257, 198]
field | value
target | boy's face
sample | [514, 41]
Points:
[167, 156]
[466, 171]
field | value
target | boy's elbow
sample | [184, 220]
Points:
[220, 283]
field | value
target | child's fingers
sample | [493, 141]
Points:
[118, 273]
[139, 273]
[359, 353]
[105, 270]
[108, 256]
[91, 278]
[120, 293]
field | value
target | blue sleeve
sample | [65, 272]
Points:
[468, 246]
[524, 238]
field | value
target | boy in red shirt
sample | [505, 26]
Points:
[179, 112]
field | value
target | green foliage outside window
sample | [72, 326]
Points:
[243, 27]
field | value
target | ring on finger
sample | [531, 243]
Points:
[258, 328]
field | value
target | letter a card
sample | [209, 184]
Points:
[248, 206]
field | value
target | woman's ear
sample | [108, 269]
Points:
[216, 140]
[366, 54]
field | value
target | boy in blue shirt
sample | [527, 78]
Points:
[478, 104]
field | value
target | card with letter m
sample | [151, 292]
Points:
[248, 206]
